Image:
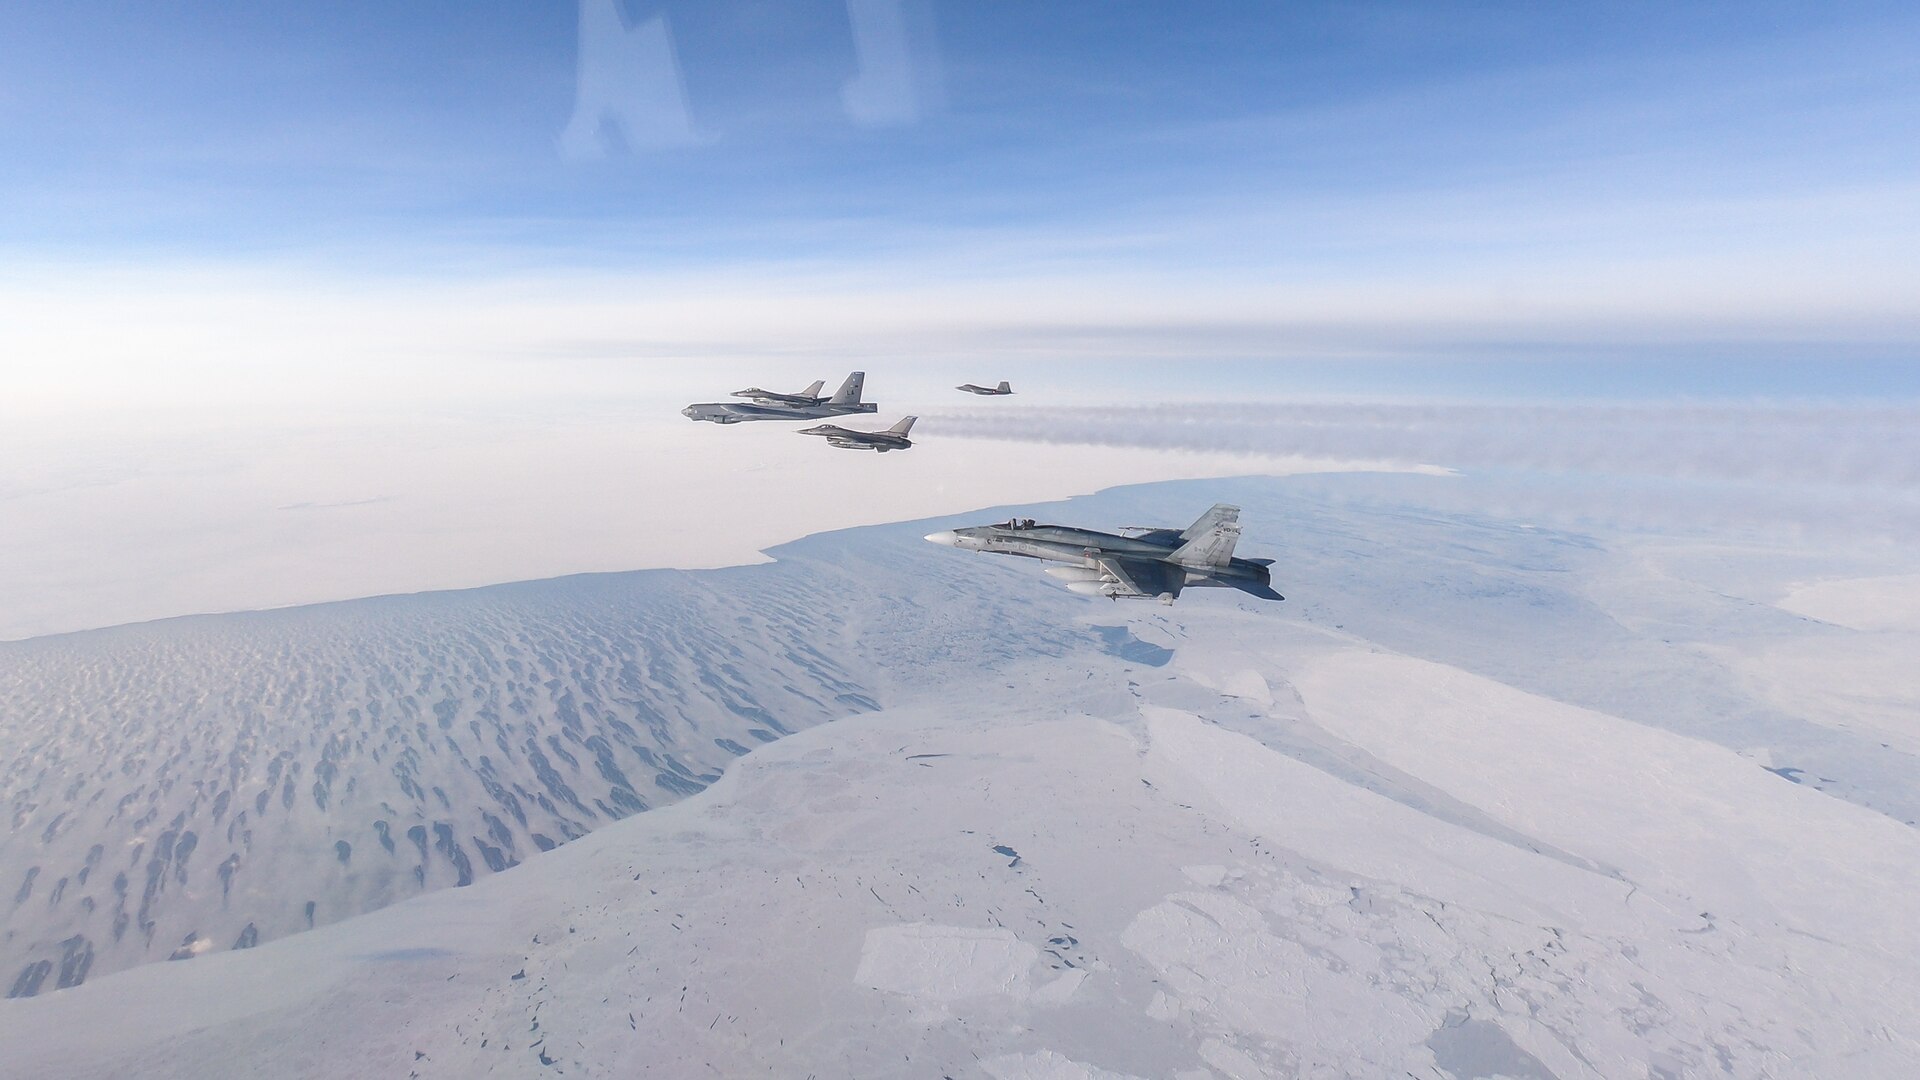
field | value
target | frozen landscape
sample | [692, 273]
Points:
[1485, 797]
[395, 680]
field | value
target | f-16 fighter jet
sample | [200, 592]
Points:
[1150, 563]
[809, 396]
[894, 438]
[845, 402]
[990, 391]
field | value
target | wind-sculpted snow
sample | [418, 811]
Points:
[217, 782]
[1047, 874]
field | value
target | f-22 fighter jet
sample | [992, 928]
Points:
[810, 396]
[1155, 563]
[1002, 390]
[845, 402]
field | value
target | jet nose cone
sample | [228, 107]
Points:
[947, 538]
[687, 412]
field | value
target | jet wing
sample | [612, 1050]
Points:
[1144, 577]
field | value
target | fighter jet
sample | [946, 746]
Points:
[894, 438]
[1154, 563]
[990, 391]
[809, 396]
[845, 402]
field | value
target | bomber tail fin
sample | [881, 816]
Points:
[849, 392]
[1210, 540]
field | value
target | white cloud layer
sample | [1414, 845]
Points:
[202, 439]
[1811, 468]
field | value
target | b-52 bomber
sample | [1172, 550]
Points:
[988, 391]
[894, 438]
[810, 396]
[845, 402]
[1155, 563]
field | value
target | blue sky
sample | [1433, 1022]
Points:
[1488, 185]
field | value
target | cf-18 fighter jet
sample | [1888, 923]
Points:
[809, 396]
[1150, 563]
[990, 391]
[894, 438]
[845, 402]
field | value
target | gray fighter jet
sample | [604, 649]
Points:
[990, 391]
[845, 402]
[894, 438]
[1149, 563]
[810, 396]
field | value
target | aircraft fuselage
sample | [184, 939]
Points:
[734, 412]
[1083, 547]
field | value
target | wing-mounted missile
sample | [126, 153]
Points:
[1114, 590]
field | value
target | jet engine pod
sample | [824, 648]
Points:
[1073, 573]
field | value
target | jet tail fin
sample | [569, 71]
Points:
[903, 426]
[814, 390]
[1005, 387]
[849, 392]
[1210, 540]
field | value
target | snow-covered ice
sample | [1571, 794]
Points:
[1478, 800]
[1891, 602]
[947, 963]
